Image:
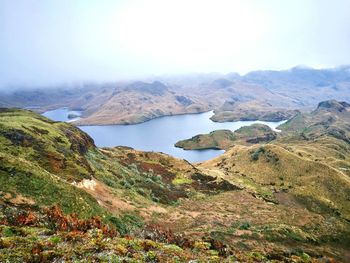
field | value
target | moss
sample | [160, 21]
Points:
[184, 180]
[55, 240]
[305, 257]
[200, 245]
[172, 248]
[9, 232]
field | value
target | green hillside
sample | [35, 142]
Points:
[281, 200]
[224, 139]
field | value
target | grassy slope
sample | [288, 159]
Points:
[307, 167]
[283, 199]
[251, 110]
[38, 163]
[224, 139]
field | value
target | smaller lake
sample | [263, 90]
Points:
[159, 134]
[63, 114]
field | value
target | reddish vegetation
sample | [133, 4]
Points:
[57, 221]
[60, 222]
[75, 228]
[27, 219]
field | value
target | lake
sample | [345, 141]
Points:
[62, 114]
[159, 134]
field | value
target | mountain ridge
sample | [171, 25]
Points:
[259, 95]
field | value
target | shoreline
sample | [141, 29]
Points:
[153, 118]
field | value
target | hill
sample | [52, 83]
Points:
[329, 118]
[251, 111]
[283, 201]
[224, 139]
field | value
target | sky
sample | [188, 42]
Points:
[44, 42]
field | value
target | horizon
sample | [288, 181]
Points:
[149, 78]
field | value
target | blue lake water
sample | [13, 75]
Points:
[160, 134]
[62, 115]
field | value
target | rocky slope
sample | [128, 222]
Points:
[286, 201]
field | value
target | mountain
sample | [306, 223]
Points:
[307, 85]
[64, 199]
[138, 102]
[258, 95]
[251, 111]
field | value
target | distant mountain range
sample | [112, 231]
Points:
[264, 95]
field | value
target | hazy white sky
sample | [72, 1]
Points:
[49, 41]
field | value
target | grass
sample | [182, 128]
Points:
[224, 139]
[127, 223]
[288, 192]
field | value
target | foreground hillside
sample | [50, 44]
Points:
[285, 201]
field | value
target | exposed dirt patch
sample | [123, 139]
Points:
[146, 213]
[18, 199]
[88, 184]
[57, 163]
[104, 196]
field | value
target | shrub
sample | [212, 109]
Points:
[8, 232]
[244, 226]
[126, 223]
[154, 198]
[256, 154]
[110, 182]
[140, 191]
[125, 184]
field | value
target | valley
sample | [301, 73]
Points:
[286, 199]
[159, 134]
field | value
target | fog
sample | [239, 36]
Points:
[48, 42]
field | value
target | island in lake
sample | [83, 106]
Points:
[224, 139]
